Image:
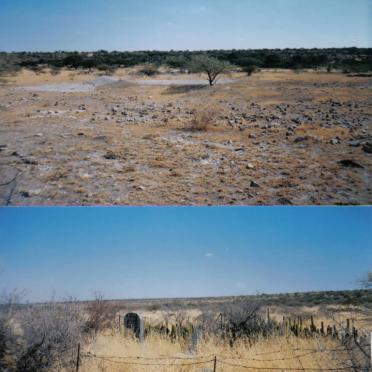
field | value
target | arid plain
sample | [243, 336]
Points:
[277, 137]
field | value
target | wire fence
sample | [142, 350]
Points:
[238, 363]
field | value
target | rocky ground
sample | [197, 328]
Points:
[272, 138]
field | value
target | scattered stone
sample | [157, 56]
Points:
[335, 141]
[100, 138]
[25, 194]
[111, 155]
[284, 201]
[29, 161]
[350, 163]
[254, 184]
[301, 139]
[354, 143]
[250, 166]
[367, 147]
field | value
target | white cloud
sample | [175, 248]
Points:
[209, 254]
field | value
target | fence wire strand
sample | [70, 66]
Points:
[226, 360]
[281, 368]
[148, 364]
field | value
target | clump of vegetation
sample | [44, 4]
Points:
[50, 331]
[249, 70]
[55, 70]
[179, 62]
[37, 69]
[211, 66]
[202, 119]
[149, 70]
[107, 69]
[355, 60]
[100, 313]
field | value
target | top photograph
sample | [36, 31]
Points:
[198, 102]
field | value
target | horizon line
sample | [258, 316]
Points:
[74, 299]
[181, 50]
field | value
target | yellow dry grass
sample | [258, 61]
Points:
[278, 352]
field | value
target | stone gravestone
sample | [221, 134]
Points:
[134, 322]
[195, 336]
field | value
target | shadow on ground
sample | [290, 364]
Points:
[178, 89]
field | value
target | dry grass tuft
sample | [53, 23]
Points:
[203, 117]
[277, 352]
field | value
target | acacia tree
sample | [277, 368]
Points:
[209, 65]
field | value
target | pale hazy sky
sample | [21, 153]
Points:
[47, 25]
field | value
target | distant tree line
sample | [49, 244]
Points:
[345, 59]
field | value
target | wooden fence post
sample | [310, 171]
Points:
[215, 364]
[78, 358]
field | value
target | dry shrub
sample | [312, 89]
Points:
[202, 118]
[51, 333]
[100, 314]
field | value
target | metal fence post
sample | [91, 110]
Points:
[78, 358]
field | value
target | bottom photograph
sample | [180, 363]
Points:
[185, 289]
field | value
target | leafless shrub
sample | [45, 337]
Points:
[51, 333]
[355, 341]
[100, 314]
[8, 341]
[202, 119]
[238, 321]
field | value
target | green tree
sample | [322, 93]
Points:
[209, 65]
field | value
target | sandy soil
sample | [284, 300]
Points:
[272, 138]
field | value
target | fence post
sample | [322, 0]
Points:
[215, 364]
[78, 358]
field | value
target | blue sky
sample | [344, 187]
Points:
[47, 25]
[180, 252]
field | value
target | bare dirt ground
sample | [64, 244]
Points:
[277, 137]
